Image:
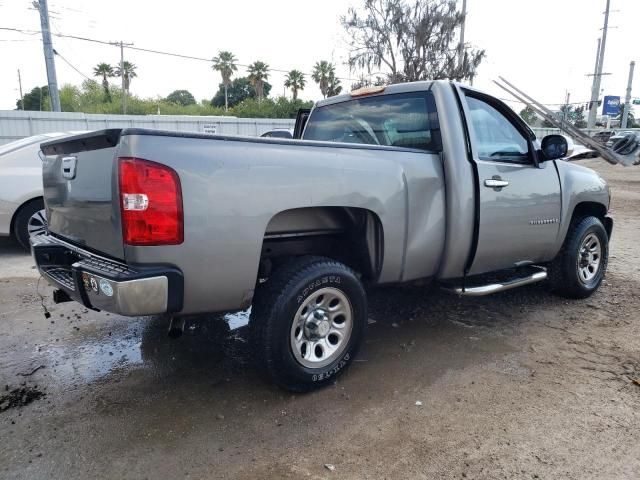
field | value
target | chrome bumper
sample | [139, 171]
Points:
[100, 283]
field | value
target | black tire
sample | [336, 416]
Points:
[274, 309]
[563, 272]
[21, 222]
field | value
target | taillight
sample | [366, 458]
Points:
[150, 202]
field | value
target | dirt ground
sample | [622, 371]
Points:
[519, 385]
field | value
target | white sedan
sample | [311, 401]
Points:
[21, 204]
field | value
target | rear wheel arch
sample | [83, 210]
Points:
[351, 235]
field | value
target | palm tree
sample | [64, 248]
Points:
[225, 63]
[295, 81]
[334, 88]
[105, 71]
[323, 71]
[258, 73]
[129, 71]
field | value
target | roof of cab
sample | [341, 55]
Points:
[395, 88]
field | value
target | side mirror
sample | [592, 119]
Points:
[554, 146]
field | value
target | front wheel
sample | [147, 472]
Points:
[307, 322]
[579, 268]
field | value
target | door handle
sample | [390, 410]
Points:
[495, 183]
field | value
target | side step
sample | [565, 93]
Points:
[537, 275]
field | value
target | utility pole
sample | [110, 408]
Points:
[124, 91]
[627, 99]
[121, 44]
[20, 86]
[595, 90]
[49, 61]
[565, 112]
[461, 44]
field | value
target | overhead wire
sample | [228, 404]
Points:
[70, 64]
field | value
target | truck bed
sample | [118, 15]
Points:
[233, 188]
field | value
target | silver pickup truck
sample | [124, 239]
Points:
[419, 181]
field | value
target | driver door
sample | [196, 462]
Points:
[519, 201]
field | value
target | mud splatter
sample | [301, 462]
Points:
[19, 397]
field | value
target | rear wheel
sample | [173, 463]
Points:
[30, 220]
[580, 267]
[307, 322]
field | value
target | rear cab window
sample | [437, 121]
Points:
[407, 120]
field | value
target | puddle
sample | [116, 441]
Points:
[95, 357]
[238, 319]
[215, 344]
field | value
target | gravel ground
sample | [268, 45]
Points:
[519, 385]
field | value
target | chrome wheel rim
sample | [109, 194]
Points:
[321, 328]
[37, 224]
[589, 258]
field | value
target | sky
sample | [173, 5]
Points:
[545, 47]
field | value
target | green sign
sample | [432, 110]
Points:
[636, 101]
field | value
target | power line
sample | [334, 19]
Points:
[19, 30]
[69, 63]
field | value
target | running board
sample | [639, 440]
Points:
[481, 290]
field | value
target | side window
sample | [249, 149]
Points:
[496, 138]
[402, 120]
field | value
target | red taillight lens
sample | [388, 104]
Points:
[150, 202]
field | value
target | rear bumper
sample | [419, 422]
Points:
[100, 283]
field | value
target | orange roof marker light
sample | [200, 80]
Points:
[367, 91]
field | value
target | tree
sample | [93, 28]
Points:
[364, 81]
[334, 88]
[129, 71]
[105, 71]
[258, 74]
[225, 63]
[239, 90]
[69, 98]
[578, 118]
[409, 39]
[37, 99]
[295, 81]
[529, 116]
[281, 107]
[181, 97]
[322, 74]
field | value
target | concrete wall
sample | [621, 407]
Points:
[16, 124]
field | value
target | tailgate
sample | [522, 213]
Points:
[80, 190]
